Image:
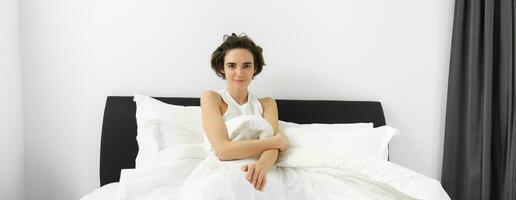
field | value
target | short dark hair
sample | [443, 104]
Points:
[234, 41]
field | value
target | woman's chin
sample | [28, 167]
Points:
[239, 86]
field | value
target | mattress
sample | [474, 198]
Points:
[106, 192]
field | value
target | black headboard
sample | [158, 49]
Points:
[118, 146]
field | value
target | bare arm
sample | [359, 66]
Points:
[270, 113]
[256, 172]
[216, 132]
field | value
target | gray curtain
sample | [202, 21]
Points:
[479, 160]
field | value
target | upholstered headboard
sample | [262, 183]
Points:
[118, 147]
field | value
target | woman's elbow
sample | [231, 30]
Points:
[222, 151]
[221, 154]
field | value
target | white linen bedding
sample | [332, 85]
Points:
[300, 173]
[106, 192]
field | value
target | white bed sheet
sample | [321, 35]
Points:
[310, 173]
[301, 172]
[106, 192]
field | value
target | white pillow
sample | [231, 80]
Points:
[340, 127]
[161, 126]
[187, 130]
[320, 126]
[368, 142]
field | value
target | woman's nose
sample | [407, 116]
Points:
[240, 71]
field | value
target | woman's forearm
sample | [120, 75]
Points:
[246, 148]
[269, 157]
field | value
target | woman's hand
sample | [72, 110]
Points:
[282, 141]
[256, 174]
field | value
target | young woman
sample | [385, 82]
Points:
[238, 60]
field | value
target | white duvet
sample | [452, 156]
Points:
[187, 172]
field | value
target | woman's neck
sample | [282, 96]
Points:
[239, 95]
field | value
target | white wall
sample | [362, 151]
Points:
[56, 61]
[76, 53]
[12, 179]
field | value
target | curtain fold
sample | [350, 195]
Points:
[479, 157]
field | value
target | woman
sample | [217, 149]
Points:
[238, 60]
[219, 176]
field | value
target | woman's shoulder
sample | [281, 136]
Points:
[210, 96]
[267, 101]
[210, 93]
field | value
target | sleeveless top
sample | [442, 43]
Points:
[251, 107]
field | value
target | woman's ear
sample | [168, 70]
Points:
[222, 71]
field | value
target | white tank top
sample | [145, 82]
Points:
[251, 107]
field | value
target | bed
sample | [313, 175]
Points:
[119, 129]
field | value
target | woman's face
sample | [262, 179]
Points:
[238, 68]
